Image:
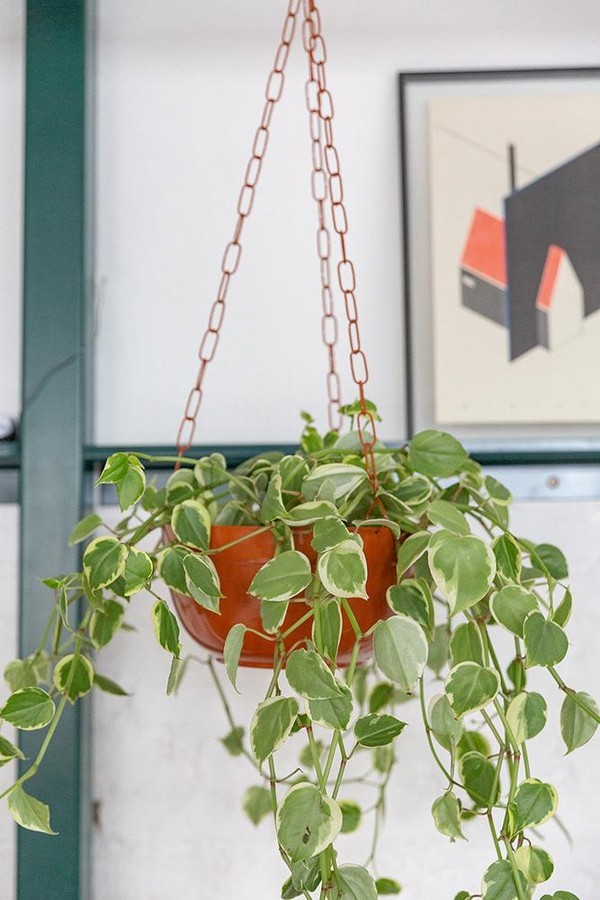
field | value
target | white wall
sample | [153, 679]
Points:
[9, 518]
[11, 145]
[179, 95]
[170, 823]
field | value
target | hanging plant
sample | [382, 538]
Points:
[344, 569]
[345, 652]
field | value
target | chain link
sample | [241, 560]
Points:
[320, 103]
[320, 193]
[233, 251]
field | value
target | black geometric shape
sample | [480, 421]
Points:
[561, 208]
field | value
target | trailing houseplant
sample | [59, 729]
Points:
[462, 591]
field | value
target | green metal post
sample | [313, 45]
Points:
[53, 420]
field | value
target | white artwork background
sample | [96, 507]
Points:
[474, 380]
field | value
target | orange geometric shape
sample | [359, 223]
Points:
[549, 276]
[485, 250]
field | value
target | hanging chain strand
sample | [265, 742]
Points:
[233, 250]
[320, 193]
[319, 101]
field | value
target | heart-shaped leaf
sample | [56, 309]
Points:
[271, 725]
[28, 812]
[463, 567]
[446, 728]
[400, 650]
[335, 712]
[307, 822]
[576, 725]
[526, 716]
[232, 651]
[535, 863]
[436, 454]
[282, 577]
[446, 816]
[511, 606]
[470, 686]
[499, 883]
[191, 524]
[356, 884]
[466, 644]
[534, 803]
[478, 775]
[545, 641]
[377, 730]
[28, 708]
[343, 570]
[309, 677]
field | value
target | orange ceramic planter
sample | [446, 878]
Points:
[238, 565]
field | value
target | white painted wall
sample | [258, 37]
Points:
[179, 95]
[169, 813]
[9, 518]
[11, 145]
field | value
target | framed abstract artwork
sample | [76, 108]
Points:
[501, 203]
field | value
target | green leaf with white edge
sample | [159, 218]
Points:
[526, 716]
[28, 812]
[138, 571]
[446, 816]
[400, 650]
[105, 622]
[351, 816]
[447, 516]
[387, 886]
[554, 560]
[109, 686]
[273, 506]
[74, 676]
[344, 477]
[576, 725]
[508, 556]
[202, 581]
[446, 728]
[257, 804]
[412, 598]
[356, 884]
[132, 486]
[171, 568]
[9, 751]
[473, 740]
[327, 629]
[115, 468]
[166, 628]
[470, 687]
[534, 803]
[478, 775]
[327, 533]
[560, 895]
[377, 730]
[497, 491]
[499, 884]
[181, 485]
[411, 550]
[104, 560]
[463, 895]
[84, 528]
[307, 822]
[190, 522]
[462, 566]
[293, 471]
[232, 651]
[436, 454]
[562, 613]
[333, 713]
[28, 709]
[309, 677]
[272, 614]
[271, 725]
[545, 642]
[343, 570]
[535, 863]
[176, 673]
[511, 606]
[466, 644]
[283, 577]
[311, 512]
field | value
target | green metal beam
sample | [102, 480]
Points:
[53, 422]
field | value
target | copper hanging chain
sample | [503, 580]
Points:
[329, 322]
[233, 250]
[319, 101]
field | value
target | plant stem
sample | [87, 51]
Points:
[434, 752]
[515, 869]
[239, 540]
[574, 696]
[490, 819]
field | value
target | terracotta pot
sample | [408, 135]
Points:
[238, 565]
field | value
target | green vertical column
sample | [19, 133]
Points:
[53, 424]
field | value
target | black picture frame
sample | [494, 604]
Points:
[496, 444]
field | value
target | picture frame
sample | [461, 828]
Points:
[498, 367]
